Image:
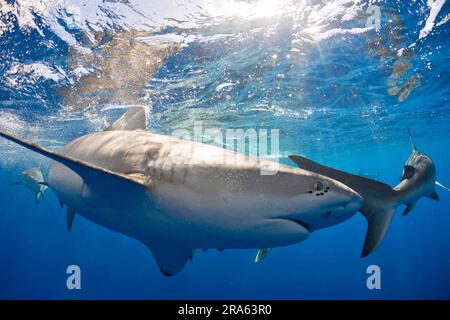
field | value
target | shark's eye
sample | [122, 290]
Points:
[318, 186]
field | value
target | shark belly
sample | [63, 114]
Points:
[175, 195]
[196, 205]
[198, 219]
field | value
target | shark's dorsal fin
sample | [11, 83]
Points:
[133, 119]
[411, 139]
[88, 171]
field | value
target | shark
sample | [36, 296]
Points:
[380, 200]
[33, 179]
[176, 195]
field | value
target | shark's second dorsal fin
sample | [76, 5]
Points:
[133, 119]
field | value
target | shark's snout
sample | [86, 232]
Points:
[346, 195]
[355, 203]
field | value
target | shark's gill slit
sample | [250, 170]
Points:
[301, 223]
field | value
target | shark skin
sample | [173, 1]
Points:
[176, 195]
[418, 178]
[380, 201]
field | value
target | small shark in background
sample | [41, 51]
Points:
[33, 179]
[418, 178]
[177, 195]
[380, 200]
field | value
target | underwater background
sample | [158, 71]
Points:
[341, 89]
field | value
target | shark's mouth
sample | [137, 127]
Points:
[300, 223]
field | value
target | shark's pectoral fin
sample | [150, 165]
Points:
[409, 207]
[90, 173]
[37, 197]
[261, 254]
[171, 257]
[378, 224]
[433, 195]
[70, 217]
[133, 119]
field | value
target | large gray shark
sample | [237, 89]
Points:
[176, 195]
[380, 200]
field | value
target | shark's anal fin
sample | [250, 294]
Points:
[378, 224]
[133, 119]
[70, 217]
[433, 195]
[261, 254]
[171, 257]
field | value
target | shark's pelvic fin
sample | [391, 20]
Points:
[133, 119]
[378, 212]
[261, 254]
[88, 171]
[70, 216]
[433, 195]
[378, 224]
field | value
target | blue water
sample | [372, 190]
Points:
[340, 96]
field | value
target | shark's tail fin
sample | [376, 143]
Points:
[378, 222]
[380, 200]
